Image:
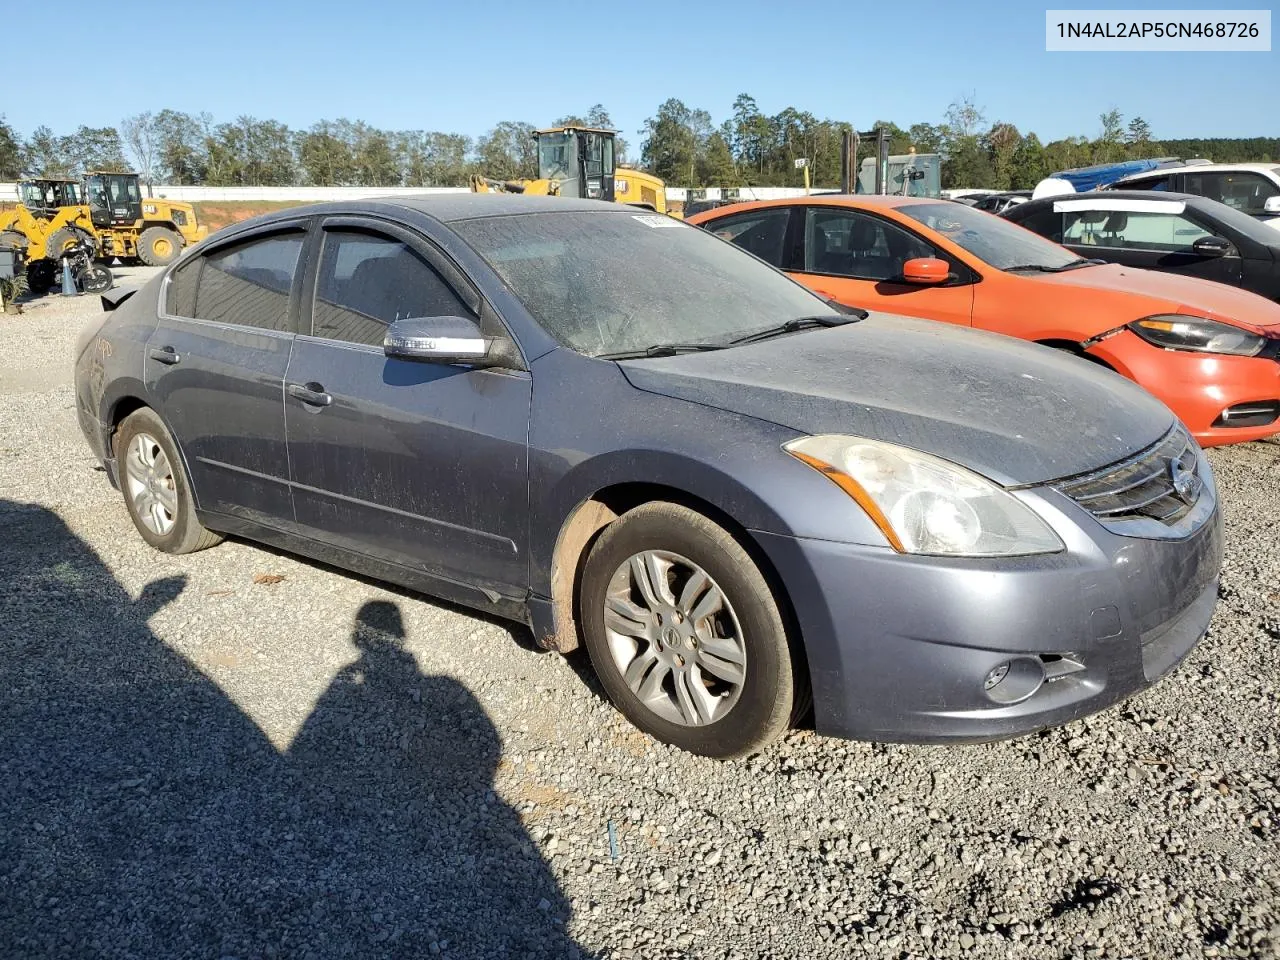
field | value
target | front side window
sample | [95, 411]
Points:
[762, 232]
[1124, 229]
[248, 284]
[846, 243]
[588, 279]
[368, 280]
[1246, 192]
[992, 240]
[1045, 222]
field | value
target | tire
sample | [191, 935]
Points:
[40, 276]
[149, 466]
[12, 238]
[158, 246]
[63, 237]
[94, 278]
[655, 657]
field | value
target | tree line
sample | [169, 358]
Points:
[681, 144]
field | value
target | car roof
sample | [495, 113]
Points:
[450, 207]
[864, 201]
[1200, 167]
[1103, 196]
[445, 208]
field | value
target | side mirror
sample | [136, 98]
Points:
[1271, 205]
[438, 340]
[1212, 247]
[926, 271]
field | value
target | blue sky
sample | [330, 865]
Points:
[464, 66]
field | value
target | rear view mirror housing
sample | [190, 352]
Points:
[1212, 247]
[449, 340]
[1271, 205]
[926, 271]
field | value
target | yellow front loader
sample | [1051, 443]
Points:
[108, 210]
[580, 162]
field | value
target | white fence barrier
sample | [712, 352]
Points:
[9, 191]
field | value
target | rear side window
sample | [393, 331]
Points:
[762, 232]
[367, 280]
[180, 301]
[1149, 183]
[248, 284]
[1245, 191]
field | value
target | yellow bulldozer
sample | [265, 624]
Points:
[107, 209]
[581, 162]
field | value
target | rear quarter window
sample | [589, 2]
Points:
[180, 299]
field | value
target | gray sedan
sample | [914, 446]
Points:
[627, 433]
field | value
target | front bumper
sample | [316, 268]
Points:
[899, 646]
[1198, 387]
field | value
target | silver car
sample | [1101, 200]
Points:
[632, 435]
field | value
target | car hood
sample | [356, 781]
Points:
[1156, 292]
[1014, 412]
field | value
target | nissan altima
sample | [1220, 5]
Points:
[745, 501]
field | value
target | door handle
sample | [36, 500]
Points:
[311, 393]
[165, 355]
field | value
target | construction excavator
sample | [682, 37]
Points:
[581, 162]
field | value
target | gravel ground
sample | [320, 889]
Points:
[202, 761]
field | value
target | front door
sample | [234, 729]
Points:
[856, 259]
[1152, 240]
[418, 464]
[215, 368]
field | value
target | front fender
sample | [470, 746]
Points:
[733, 462]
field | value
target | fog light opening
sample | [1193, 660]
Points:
[1014, 680]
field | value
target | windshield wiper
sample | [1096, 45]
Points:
[660, 350]
[1041, 268]
[804, 323]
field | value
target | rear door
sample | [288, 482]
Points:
[419, 464]
[1156, 239]
[215, 368]
[856, 258]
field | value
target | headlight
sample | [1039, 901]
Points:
[1175, 332]
[924, 504]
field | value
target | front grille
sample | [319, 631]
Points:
[1142, 486]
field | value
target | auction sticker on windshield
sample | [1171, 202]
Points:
[657, 220]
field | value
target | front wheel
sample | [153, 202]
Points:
[94, 278]
[685, 635]
[158, 246]
[156, 490]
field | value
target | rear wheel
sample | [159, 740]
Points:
[156, 490]
[62, 238]
[158, 246]
[12, 238]
[684, 633]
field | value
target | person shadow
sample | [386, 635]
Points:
[144, 814]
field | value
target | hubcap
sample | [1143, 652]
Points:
[675, 638]
[150, 482]
[162, 247]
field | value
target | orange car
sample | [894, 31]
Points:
[1209, 351]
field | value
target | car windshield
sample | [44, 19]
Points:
[606, 282]
[992, 240]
